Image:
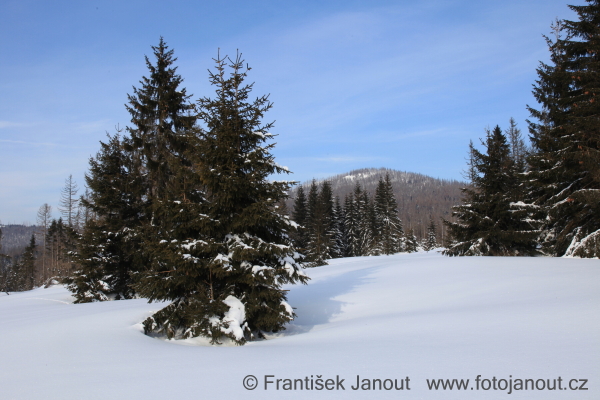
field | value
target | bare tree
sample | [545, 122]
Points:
[518, 149]
[69, 203]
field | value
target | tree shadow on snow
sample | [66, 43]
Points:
[315, 303]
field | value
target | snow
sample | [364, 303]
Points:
[234, 317]
[421, 316]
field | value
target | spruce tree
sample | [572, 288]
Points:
[486, 223]
[221, 264]
[321, 243]
[340, 248]
[391, 231]
[162, 120]
[28, 264]
[564, 178]
[134, 181]
[61, 243]
[109, 251]
[350, 225]
[430, 241]
[366, 225]
[412, 244]
[21, 276]
[300, 216]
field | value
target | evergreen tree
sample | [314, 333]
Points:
[321, 244]
[21, 276]
[109, 252]
[4, 269]
[28, 265]
[487, 223]
[311, 207]
[412, 244]
[223, 261]
[44, 217]
[340, 248]
[564, 177]
[300, 216]
[431, 241]
[134, 182]
[391, 232]
[162, 123]
[365, 212]
[61, 243]
[350, 225]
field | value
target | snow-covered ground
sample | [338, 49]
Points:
[421, 316]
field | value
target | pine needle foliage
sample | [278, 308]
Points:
[564, 181]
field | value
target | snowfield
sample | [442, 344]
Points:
[417, 316]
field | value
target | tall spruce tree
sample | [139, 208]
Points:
[350, 225]
[365, 212]
[134, 181]
[340, 248]
[162, 119]
[224, 279]
[322, 241]
[565, 173]
[300, 216]
[391, 233]
[487, 224]
[109, 250]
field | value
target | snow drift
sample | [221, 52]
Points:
[418, 316]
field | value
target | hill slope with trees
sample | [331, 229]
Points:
[420, 197]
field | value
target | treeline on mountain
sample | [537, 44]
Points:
[419, 197]
[362, 224]
[547, 202]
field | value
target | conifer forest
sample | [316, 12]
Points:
[186, 205]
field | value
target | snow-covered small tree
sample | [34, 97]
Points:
[430, 241]
[411, 244]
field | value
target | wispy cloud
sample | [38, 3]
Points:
[337, 159]
[27, 143]
[12, 124]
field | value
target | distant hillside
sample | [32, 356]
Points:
[16, 237]
[419, 196]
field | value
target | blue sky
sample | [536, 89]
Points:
[396, 84]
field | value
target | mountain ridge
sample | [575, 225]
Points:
[419, 196]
